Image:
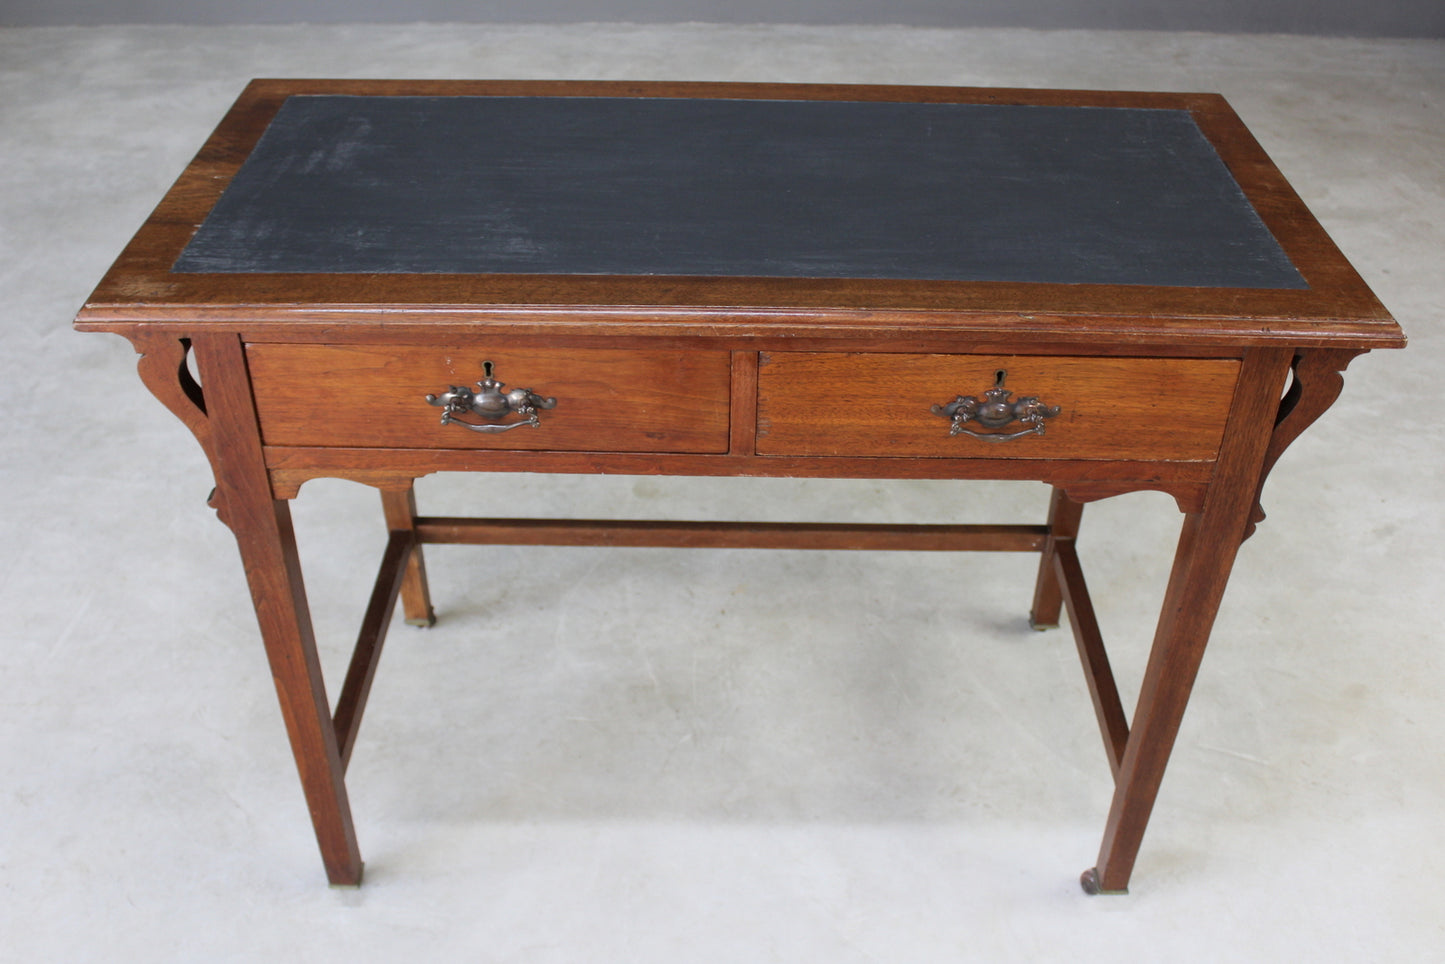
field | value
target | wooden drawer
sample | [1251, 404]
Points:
[868, 404]
[375, 396]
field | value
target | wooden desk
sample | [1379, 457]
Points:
[1105, 292]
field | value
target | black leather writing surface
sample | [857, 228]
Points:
[1055, 195]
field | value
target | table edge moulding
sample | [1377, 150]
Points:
[510, 315]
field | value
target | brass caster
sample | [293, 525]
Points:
[1040, 627]
[353, 885]
[1089, 880]
[427, 623]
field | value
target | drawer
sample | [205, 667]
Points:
[376, 396]
[868, 404]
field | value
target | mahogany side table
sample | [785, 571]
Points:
[377, 280]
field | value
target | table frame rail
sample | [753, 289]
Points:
[1060, 582]
[1219, 502]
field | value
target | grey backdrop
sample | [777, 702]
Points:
[1362, 18]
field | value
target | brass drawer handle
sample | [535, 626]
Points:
[995, 411]
[491, 404]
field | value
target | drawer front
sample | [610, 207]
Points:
[880, 405]
[606, 400]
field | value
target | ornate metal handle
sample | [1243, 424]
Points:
[491, 404]
[994, 411]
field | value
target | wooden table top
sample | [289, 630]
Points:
[740, 208]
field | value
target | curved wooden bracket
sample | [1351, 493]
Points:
[162, 367]
[1316, 381]
[1189, 496]
[286, 483]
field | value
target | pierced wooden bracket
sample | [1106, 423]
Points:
[162, 367]
[1316, 379]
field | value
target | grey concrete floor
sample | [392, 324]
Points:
[642, 755]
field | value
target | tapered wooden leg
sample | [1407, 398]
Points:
[262, 526]
[1064, 516]
[400, 508]
[1196, 585]
[269, 553]
[1207, 547]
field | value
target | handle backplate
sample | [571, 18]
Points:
[462, 406]
[995, 411]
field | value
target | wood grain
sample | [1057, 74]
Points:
[399, 505]
[1205, 555]
[879, 405]
[304, 376]
[356, 687]
[1065, 514]
[731, 535]
[624, 401]
[1098, 673]
[267, 543]
[1337, 310]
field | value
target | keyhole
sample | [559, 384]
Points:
[998, 377]
[487, 369]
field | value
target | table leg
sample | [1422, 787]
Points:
[1208, 543]
[1195, 587]
[1064, 516]
[267, 542]
[400, 508]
